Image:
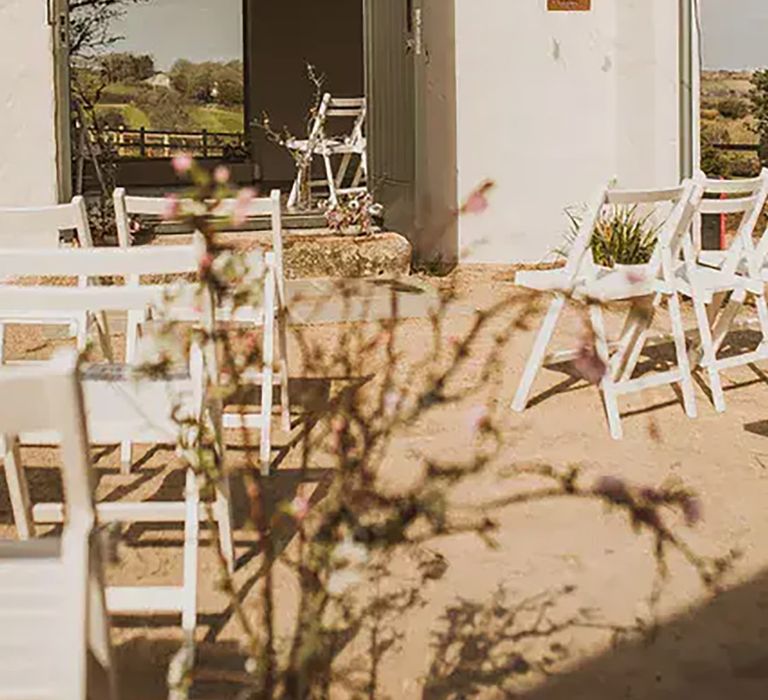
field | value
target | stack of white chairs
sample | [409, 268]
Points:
[123, 405]
[42, 227]
[659, 280]
[323, 143]
[718, 283]
[127, 206]
[747, 262]
[53, 614]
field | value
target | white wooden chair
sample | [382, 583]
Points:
[127, 206]
[661, 279]
[323, 143]
[42, 227]
[52, 604]
[122, 406]
[746, 264]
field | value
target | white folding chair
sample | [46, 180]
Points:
[743, 265]
[326, 144]
[42, 227]
[121, 405]
[127, 206]
[654, 282]
[52, 604]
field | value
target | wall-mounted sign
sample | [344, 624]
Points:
[569, 5]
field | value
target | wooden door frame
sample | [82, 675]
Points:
[58, 21]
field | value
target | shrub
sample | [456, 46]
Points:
[733, 108]
[112, 118]
[166, 109]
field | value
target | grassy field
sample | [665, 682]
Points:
[719, 90]
[218, 118]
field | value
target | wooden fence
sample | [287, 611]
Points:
[153, 144]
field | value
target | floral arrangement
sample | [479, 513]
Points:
[353, 214]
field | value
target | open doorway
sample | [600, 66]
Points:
[282, 40]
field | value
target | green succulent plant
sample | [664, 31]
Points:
[622, 236]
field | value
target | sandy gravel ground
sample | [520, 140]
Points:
[553, 613]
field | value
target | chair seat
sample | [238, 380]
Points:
[710, 281]
[542, 280]
[712, 258]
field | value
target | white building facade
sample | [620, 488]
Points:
[548, 104]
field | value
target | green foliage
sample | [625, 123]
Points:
[166, 109]
[621, 237]
[209, 82]
[713, 161]
[733, 108]
[112, 118]
[759, 98]
[127, 67]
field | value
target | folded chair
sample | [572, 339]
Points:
[745, 265]
[127, 206]
[645, 286]
[42, 227]
[124, 405]
[323, 143]
[52, 606]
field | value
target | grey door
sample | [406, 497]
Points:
[391, 91]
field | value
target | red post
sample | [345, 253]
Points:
[723, 228]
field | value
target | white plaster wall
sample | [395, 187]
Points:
[27, 105]
[553, 104]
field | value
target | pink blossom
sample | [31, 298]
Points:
[479, 419]
[299, 508]
[221, 174]
[589, 364]
[205, 263]
[635, 276]
[182, 163]
[477, 202]
[692, 510]
[172, 208]
[242, 204]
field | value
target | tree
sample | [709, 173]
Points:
[127, 67]
[167, 109]
[91, 23]
[759, 98]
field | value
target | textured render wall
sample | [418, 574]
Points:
[27, 105]
[552, 104]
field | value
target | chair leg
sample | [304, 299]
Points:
[634, 355]
[709, 359]
[607, 386]
[99, 640]
[332, 195]
[538, 353]
[298, 182]
[191, 542]
[678, 334]
[132, 327]
[18, 489]
[630, 344]
[343, 167]
[265, 448]
[285, 398]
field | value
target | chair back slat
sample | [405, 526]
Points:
[41, 227]
[90, 262]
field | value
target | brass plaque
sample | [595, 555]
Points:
[569, 5]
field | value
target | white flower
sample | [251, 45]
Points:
[339, 582]
[251, 665]
[350, 552]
